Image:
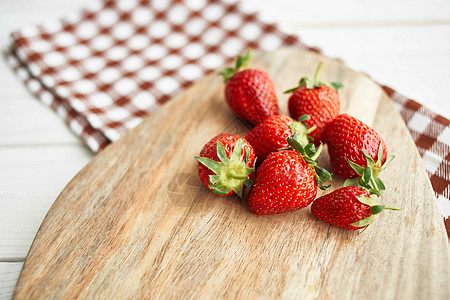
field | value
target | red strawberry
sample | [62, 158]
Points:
[226, 163]
[287, 180]
[270, 135]
[318, 100]
[348, 207]
[250, 93]
[356, 151]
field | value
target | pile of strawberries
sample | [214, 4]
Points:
[277, 160]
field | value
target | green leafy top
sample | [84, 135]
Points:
[241, 62]
[302, 130]
[310, 155]
[368, 176]
[311, 84]
[230, 174]
[374, 209]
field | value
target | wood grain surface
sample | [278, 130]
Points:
[137, 223]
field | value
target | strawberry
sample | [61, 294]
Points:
[270, 135]
[287, 180]
[318, 100]
[226, 164]
[357, 152]
[348, 207]
[250, 93]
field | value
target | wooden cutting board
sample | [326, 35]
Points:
[137, 223]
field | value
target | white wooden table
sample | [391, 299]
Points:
[403, 43]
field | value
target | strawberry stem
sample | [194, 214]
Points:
[316, 75]
[318, 151]
[236, 176]
[376, 209]
[392, 208]
[315, 82]
[241, 62]
[374, 183]
[309, 130]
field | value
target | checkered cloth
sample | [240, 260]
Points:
[109, 66]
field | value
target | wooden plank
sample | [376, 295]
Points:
[9, 273]
[328, 13]
[353, 13]
[26, 121]
[30, 180]
[136, 221]
[33, 123]
[15, 14]
[391, 57]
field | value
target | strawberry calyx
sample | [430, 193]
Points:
[310, 155]
[374, 210]
[315, 82]
[230, 174]
[368, 176]
[302, 130]
[241, 62]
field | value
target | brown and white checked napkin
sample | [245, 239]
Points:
[109, 66]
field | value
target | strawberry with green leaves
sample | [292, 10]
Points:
[357, 152]
[349, 207]
[226, 164]
[287, 180]
[318, 100]
[250, 93]
[271, 135]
